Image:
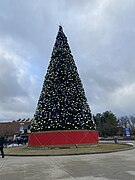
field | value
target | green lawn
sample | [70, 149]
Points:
[24, 150]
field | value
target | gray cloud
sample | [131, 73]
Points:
[102, 39]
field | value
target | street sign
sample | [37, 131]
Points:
[127, 131]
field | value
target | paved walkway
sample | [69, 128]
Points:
[111, 166]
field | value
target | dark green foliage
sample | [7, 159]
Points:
[62, 103]
[107, 124]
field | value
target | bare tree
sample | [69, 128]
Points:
[131, 122]
[128, 121]
[124, 121]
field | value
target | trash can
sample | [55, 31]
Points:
[116, 140]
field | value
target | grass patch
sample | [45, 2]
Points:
[100, 148]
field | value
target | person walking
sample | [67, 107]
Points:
[1, 147]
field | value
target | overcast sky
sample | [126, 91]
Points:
[101, 35]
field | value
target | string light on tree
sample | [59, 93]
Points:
[62, 104]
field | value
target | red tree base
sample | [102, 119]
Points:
[60, 138]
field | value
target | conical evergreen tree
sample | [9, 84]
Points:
[62, 103]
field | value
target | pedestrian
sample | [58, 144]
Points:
[25, 140]
[1, 147]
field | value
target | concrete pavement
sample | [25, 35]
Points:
[111, 166]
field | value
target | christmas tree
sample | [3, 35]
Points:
[62, 104]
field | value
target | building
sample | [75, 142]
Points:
[10, 130]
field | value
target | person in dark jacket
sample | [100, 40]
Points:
[1, 147]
